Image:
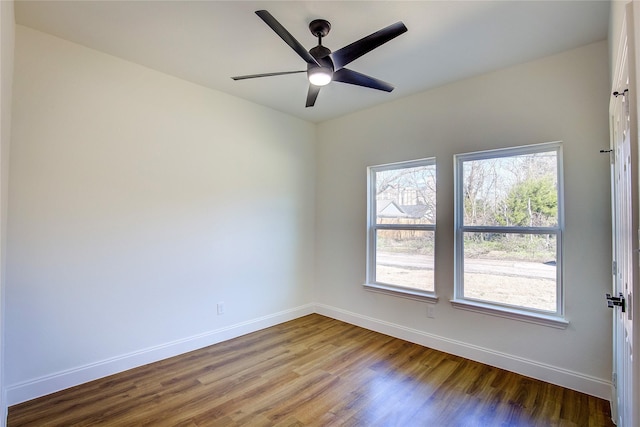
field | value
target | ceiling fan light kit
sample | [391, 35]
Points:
[320, 76]
[323, 66]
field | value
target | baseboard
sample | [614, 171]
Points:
[530, 368]
[32, 389]
[48, 384]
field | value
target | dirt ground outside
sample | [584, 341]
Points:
[518, 283]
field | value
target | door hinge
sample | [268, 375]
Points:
[614, 268]
[616, 301]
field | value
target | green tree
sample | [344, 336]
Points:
[531, 203]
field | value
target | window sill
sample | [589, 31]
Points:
[402, 292]
[511, 313]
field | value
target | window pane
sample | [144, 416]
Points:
[519, 190]
[405, 258]
[512, 269]
[406, 195]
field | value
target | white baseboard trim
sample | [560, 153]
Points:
[530, 368]
[48, 384]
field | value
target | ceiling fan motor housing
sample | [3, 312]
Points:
[321, 54]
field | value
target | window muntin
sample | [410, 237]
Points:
[401, 239]
[509, 229]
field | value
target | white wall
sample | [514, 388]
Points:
[563, 97]
[137, 202]
[7, 33]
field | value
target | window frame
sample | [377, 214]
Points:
[372, 228]
[554, 319]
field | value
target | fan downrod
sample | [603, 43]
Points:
[319, 27]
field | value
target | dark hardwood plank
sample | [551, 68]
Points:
[314, 371]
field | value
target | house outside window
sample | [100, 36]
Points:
[401, 228]
[508, 232]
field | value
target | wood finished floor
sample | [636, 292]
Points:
[314, 371]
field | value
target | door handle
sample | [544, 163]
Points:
[616, 301]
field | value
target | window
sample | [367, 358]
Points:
[401, 228]
[508, 207]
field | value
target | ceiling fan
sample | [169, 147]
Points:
[323, 66]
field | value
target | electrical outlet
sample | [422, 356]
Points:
[430, 311]
[220, 308]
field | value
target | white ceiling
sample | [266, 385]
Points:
[207, 42]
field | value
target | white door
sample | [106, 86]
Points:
[625, 235]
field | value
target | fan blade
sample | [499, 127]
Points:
[355, 50]
[312, 95]
[253, 76]
[345, 75]
[286, 36]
